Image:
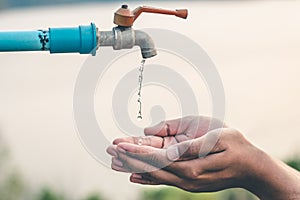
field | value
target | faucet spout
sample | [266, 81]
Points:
[145, 42]
[127, 38]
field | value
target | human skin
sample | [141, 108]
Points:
[176, 153]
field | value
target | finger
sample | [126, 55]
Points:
[199, 167]
[119, 169]
[161, 176]
[153, 141]
[150, 155]
[196, 148]
[154, 174]
[138, 178]
[135, 165]
[176, 173]
[111, 150]
[142, 181]
[187, 150]
[169, 127]
[118, 165]
[133, 148]
[115, 161]
[199, 126]
[192, 126]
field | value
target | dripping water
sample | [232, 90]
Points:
[140, 82]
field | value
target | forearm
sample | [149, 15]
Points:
[272, 179]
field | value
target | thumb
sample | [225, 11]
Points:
[195, 148]
[169, 127]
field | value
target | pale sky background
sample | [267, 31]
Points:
[254, 44]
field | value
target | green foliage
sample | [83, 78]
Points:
[94, 196]
[171, 193]
[294, 162]
[236, 194]
[11, 188]
[49, 194]
[11, 184]
[4, 155]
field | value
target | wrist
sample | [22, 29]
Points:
[270, 178]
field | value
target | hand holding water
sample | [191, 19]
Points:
[170, 156]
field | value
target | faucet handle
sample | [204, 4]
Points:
[125, 17]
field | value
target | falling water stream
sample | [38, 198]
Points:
[140, 82]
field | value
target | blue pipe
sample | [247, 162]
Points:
[81, 39]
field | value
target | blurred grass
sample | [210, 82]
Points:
[294, 162]
[172, 193]
[11, 182]
[48, 194]
[94, 196]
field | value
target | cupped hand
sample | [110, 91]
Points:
[232, 162]
[228, 164]
[170, 132]
[207, 160]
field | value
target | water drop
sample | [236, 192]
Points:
[139, 118]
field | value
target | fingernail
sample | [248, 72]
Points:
[117, 162]
[173, 153]
[138, 176]
[121, 150]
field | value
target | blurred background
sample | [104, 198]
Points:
[254, 44]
